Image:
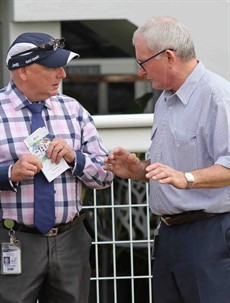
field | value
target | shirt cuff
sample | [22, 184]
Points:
[5, 179]
[79, 164]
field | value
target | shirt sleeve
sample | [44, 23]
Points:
[220, 133]
[90, 157]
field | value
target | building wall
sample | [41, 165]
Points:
[208, 22]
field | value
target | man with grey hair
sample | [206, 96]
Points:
[188, 167]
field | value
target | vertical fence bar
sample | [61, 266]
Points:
[96, 246]
[149, 245]
[114, 244]
[131, 239]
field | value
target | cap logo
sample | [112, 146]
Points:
[32, 59]
[15, 65]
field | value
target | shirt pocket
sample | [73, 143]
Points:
[184, 145]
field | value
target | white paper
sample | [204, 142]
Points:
[37, 143]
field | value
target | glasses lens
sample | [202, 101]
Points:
[47, 46]
[61, 42]
[58, 43]
[53, 44]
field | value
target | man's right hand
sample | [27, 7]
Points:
[126, 165]
[26, 166]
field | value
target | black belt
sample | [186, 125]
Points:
[186, 217]
[58, 229]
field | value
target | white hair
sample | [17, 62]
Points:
[166, 33]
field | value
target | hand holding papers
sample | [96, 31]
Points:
[37, 143]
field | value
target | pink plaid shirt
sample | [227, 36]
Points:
[64, 117]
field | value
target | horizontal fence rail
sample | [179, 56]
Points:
[132, 131]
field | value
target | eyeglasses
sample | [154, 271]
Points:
[140, 64]
[52, 45]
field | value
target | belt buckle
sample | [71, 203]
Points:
[165, 221]
[52, 233]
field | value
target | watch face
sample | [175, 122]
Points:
[189, 177]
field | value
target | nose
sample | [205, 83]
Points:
[61, 73]
[141, 72]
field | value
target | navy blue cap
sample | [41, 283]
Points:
[28, 42]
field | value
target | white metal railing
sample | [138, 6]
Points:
[120, 222]
[132, 131]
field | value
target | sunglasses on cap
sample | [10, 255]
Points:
[52, 45]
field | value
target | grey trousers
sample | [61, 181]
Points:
[54, 269]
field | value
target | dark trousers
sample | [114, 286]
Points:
[192, 262]
[54, 269]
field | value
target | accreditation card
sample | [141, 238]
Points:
[11, 259]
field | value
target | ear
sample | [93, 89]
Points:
[22, 73]
[170, 55]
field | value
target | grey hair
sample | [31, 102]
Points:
[166, 33]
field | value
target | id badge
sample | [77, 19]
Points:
[11, 259]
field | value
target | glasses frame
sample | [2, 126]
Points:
[52, 45]
[139, 63]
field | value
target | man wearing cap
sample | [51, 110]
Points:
[41, 221]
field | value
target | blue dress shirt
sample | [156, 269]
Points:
[191, 131]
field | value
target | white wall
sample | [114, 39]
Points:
[207, 20]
